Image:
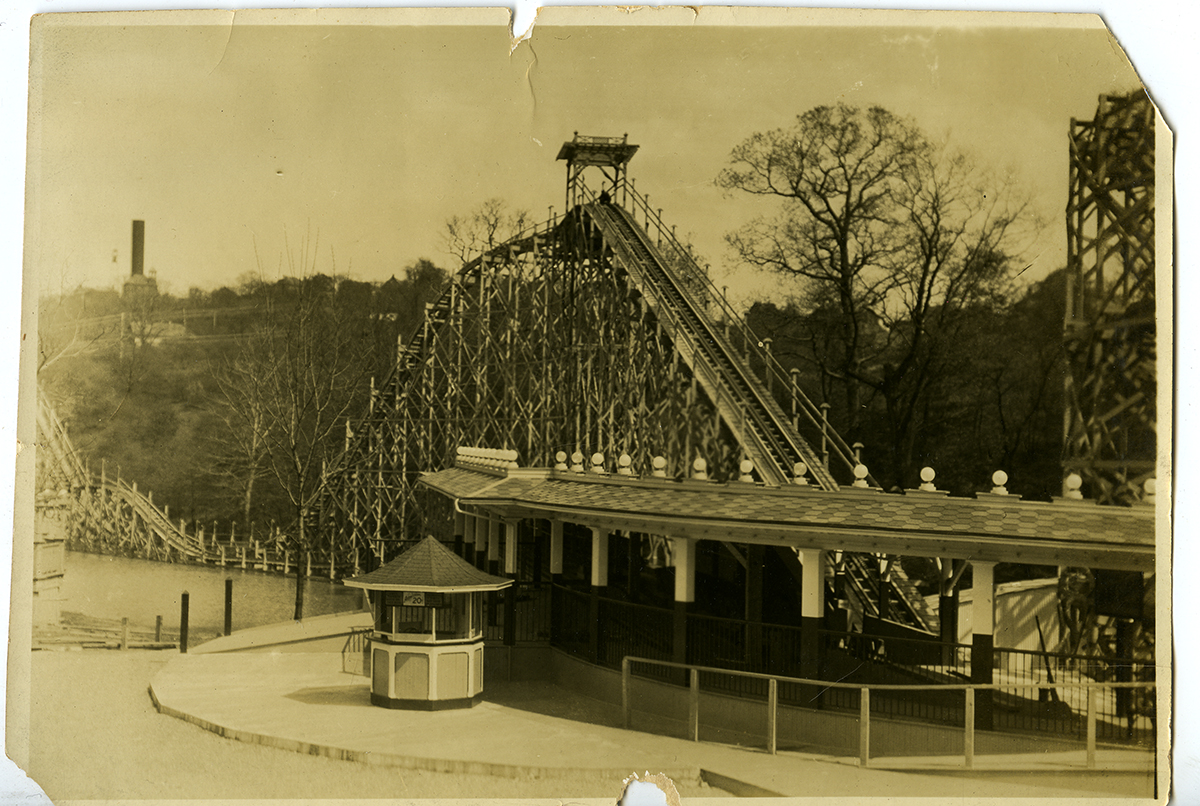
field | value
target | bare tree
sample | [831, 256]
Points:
[240, 461]
[297, 379]
[895, 241]
[487, 226]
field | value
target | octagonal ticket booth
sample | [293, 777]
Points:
[426, 651]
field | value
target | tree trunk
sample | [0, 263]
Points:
[301, 545]
[248, 503]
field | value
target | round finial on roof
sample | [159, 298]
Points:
[860, 475]
[560, 460]
[746, 467]
[597, 463]
[799, 471]
[999, 479]
[927, 477]
[1150, 486]
[623, 463]
[576, 462]
[1074, 482]
[700, 469]
[659, 463]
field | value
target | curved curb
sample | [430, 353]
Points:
[689, 774]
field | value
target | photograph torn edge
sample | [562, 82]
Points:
[20, 638]
[640, 791]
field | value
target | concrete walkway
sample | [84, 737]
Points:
[303, 702]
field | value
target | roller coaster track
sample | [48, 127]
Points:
[64, 469]
[154, 519]
[753, 415]
[765, 433]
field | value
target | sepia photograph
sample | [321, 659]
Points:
[671, 404]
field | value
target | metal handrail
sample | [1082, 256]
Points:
[771, 365]
[785, 449]
[864, 721]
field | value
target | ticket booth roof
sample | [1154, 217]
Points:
[429, 566]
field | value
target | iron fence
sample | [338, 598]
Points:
[531, 614]
[633, 629]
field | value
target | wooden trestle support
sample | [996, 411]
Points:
[594, 332]
[1110, 416]
[1109, 331]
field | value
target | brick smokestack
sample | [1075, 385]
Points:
[139, 240]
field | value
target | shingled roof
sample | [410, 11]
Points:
[428, 566]
[1001, 528]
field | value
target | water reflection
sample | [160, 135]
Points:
[119, 587]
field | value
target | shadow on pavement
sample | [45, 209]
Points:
[333, 695]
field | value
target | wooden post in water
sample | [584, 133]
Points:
[307, 563]
[125, 633]
[287, 556]
[158, 629]
[222, 556]
[331, 572]
[228, 606]
[242, 556]
[183, 622]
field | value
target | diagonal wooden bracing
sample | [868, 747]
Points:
[1110, 326]
[539, 346]
[594, 332]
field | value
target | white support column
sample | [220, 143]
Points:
[684, 552]
[481, 522]
[983, 625]
[460, 525]
[556, 547]
[812, 612]
[983, 596]
[599, 557]
[812, 601]
[493, 540]
[510, 547]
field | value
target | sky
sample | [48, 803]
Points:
[235, 139]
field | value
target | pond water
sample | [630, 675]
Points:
[101, 586]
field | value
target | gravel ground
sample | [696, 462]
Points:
[96, 735]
